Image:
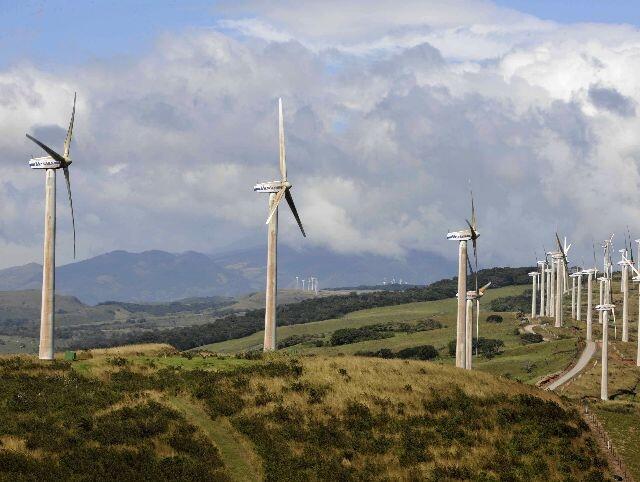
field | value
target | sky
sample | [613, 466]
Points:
[392, 111]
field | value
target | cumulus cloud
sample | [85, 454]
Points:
[390, 109]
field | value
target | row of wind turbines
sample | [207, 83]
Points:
[550, 285]
[53, 161]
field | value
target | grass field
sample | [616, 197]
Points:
[526, 363]
[442, 310]
[135, 416]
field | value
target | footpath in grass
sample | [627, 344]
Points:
[237, 452]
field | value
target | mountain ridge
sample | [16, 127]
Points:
[157, 275]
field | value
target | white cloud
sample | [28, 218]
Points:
[383, 132]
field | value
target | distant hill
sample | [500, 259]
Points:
[161, 276]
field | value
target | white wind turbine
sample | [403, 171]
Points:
[277, 191]
[624, 288]
[561, 273]
[51, 163]
[463, 237]
[534, 287]
[543, 275]
[605, 308]
[473, 295]
[636, 278]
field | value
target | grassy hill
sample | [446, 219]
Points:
[523, 362]
[146, 413]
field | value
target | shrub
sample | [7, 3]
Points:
[420, 352]
[528, 338]
[488, 347]
[346, 336]
[494, 319]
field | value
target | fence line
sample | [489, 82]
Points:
[613, 455]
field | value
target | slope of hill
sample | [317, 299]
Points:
[150, 417]
[308, 311]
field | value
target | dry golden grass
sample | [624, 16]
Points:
[400, 389]
[148, 349]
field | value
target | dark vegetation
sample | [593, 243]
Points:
[308, 340]
[64, 416]
[528, 338]
[487, 347]
[516, 303]
[77, 428]
[494, 319]
[346, 336]
[420, 352]
[316, 309]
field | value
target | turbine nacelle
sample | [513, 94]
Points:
[45, 162]
[464, 235]
[271, 186]
[605, 307]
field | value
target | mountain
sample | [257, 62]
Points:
[162, 276]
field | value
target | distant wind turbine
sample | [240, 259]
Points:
[50, 164]
[277, 191]
[473, 296]
[463, 237]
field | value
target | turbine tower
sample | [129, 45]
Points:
[277, 191]
[574, 298]
[605, 308]
[579, 296]
[590, 275]
[636, 278]
[543, 275]
[463, 237]
[52, 162]
[534, 279]
[624, 287]
[473, 296]
[561, 273]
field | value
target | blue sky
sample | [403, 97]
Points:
[570, 11]
[54, 33]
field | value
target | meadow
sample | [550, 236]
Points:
[154, 414]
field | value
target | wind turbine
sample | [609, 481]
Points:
[624, 287]
[473, 295]
[50, 163]
[463, 237]
[562, 270]
[534, 280]
[574, 299]
[277, 191]
[605, 308]
[543, 276]
[636, 278]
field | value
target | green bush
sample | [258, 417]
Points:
[528, 338]
[421, 352]
[494, 319]
[346, 336]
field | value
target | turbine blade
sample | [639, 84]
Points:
[484, 288]
[67, 141]
[283, 161]
[73, 219]
[473, 209]
[48, 150]
[294, 211]
[274, 206]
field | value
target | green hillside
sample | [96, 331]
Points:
[153, 415]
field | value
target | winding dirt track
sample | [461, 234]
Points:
[583, 361]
